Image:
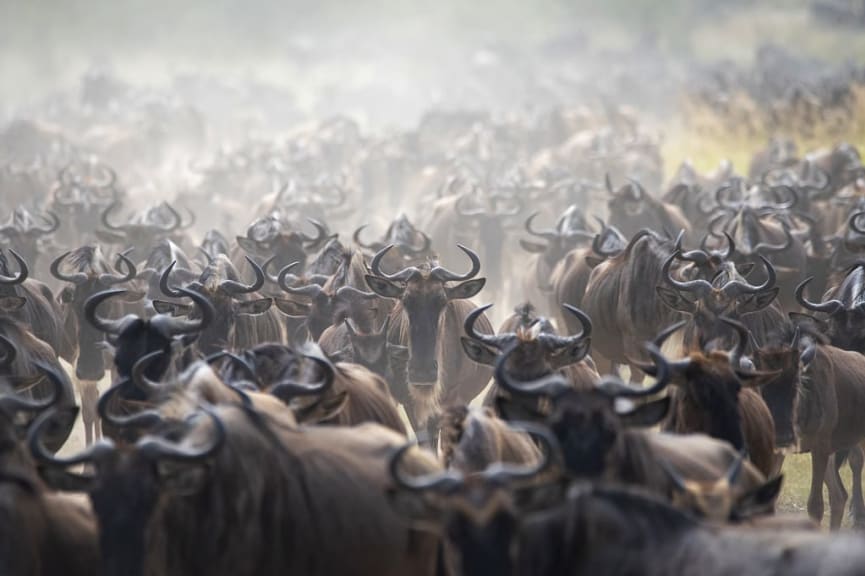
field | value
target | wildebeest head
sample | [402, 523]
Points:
[423, 294]
[374, 351]
[411, 246]
[90, 274]
[144, 230]
[486, 221]
[727, 294]
[272, 236]
[26, 233]
[79, 199]
[537, 349]
[719, 500]
[17, 410]
[570, 229]
[218, 283]
[844, 306]
[475, 513]
[632, 209]
[790, 360]
[586, 423]
[128, 482]
[11, 299]
[136, 337]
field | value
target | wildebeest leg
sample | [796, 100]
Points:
[819, 460]
[857, 505]
[778, 463]
[89, 398]
[837, 492]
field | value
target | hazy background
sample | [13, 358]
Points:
[387, 60]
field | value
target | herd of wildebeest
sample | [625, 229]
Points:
[307, 379]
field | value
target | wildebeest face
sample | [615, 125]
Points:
[586, 427]
[424, 295]
[483, 537]
[781, 394]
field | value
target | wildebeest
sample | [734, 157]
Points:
[429, 313]
[633, 209]
[43, 533]
[318, 491]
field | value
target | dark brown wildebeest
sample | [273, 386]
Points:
[274, 236]
[473, 439]
[538, 350]
[816, 404]
[241, 320]
[429, 313]
[89, 274]
[43, 533]
[318, 490]
[632, 209]
[570, 230]
[714, 395]
[143, 231]
[624, 312]
[571, 275]
[602, 436]
[411, 245]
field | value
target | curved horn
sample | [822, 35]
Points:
[738, 287]
[288, 389]
[142, 419]
[613, 386]
[791, 200]
[436, 481]
[78, 278]
[283, 279]
[159, 448]
[446, 275]
[178, 326]
[164, 286]
[743, 337]
[697, 285]
[550, 385]
[635, 185]
[547, 234]
[236, 288]
[829, 307]
[424, 248]
[375, 266]
[788, 241]
[178, 219]
[101, 324]
[851, 222]
[489, 339]
[41, 454]
[502, 472]
[23, 273]
[14, 403]
[108, 209]
[459, 209]
[111, 279]
[356, 238]
[351, 293]
[320, 228]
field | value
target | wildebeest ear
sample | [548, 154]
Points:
[571, 354]
[745, 268]
[757, 302]
[12, 303]
[132, 296]
[675, 300]
[648, 414]
[291, 308]
[253, 307]
[593, 261]
[478, 352]
[760, 500]
[533, 247]
[466, 290]
[247, 245]
[383, 287]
